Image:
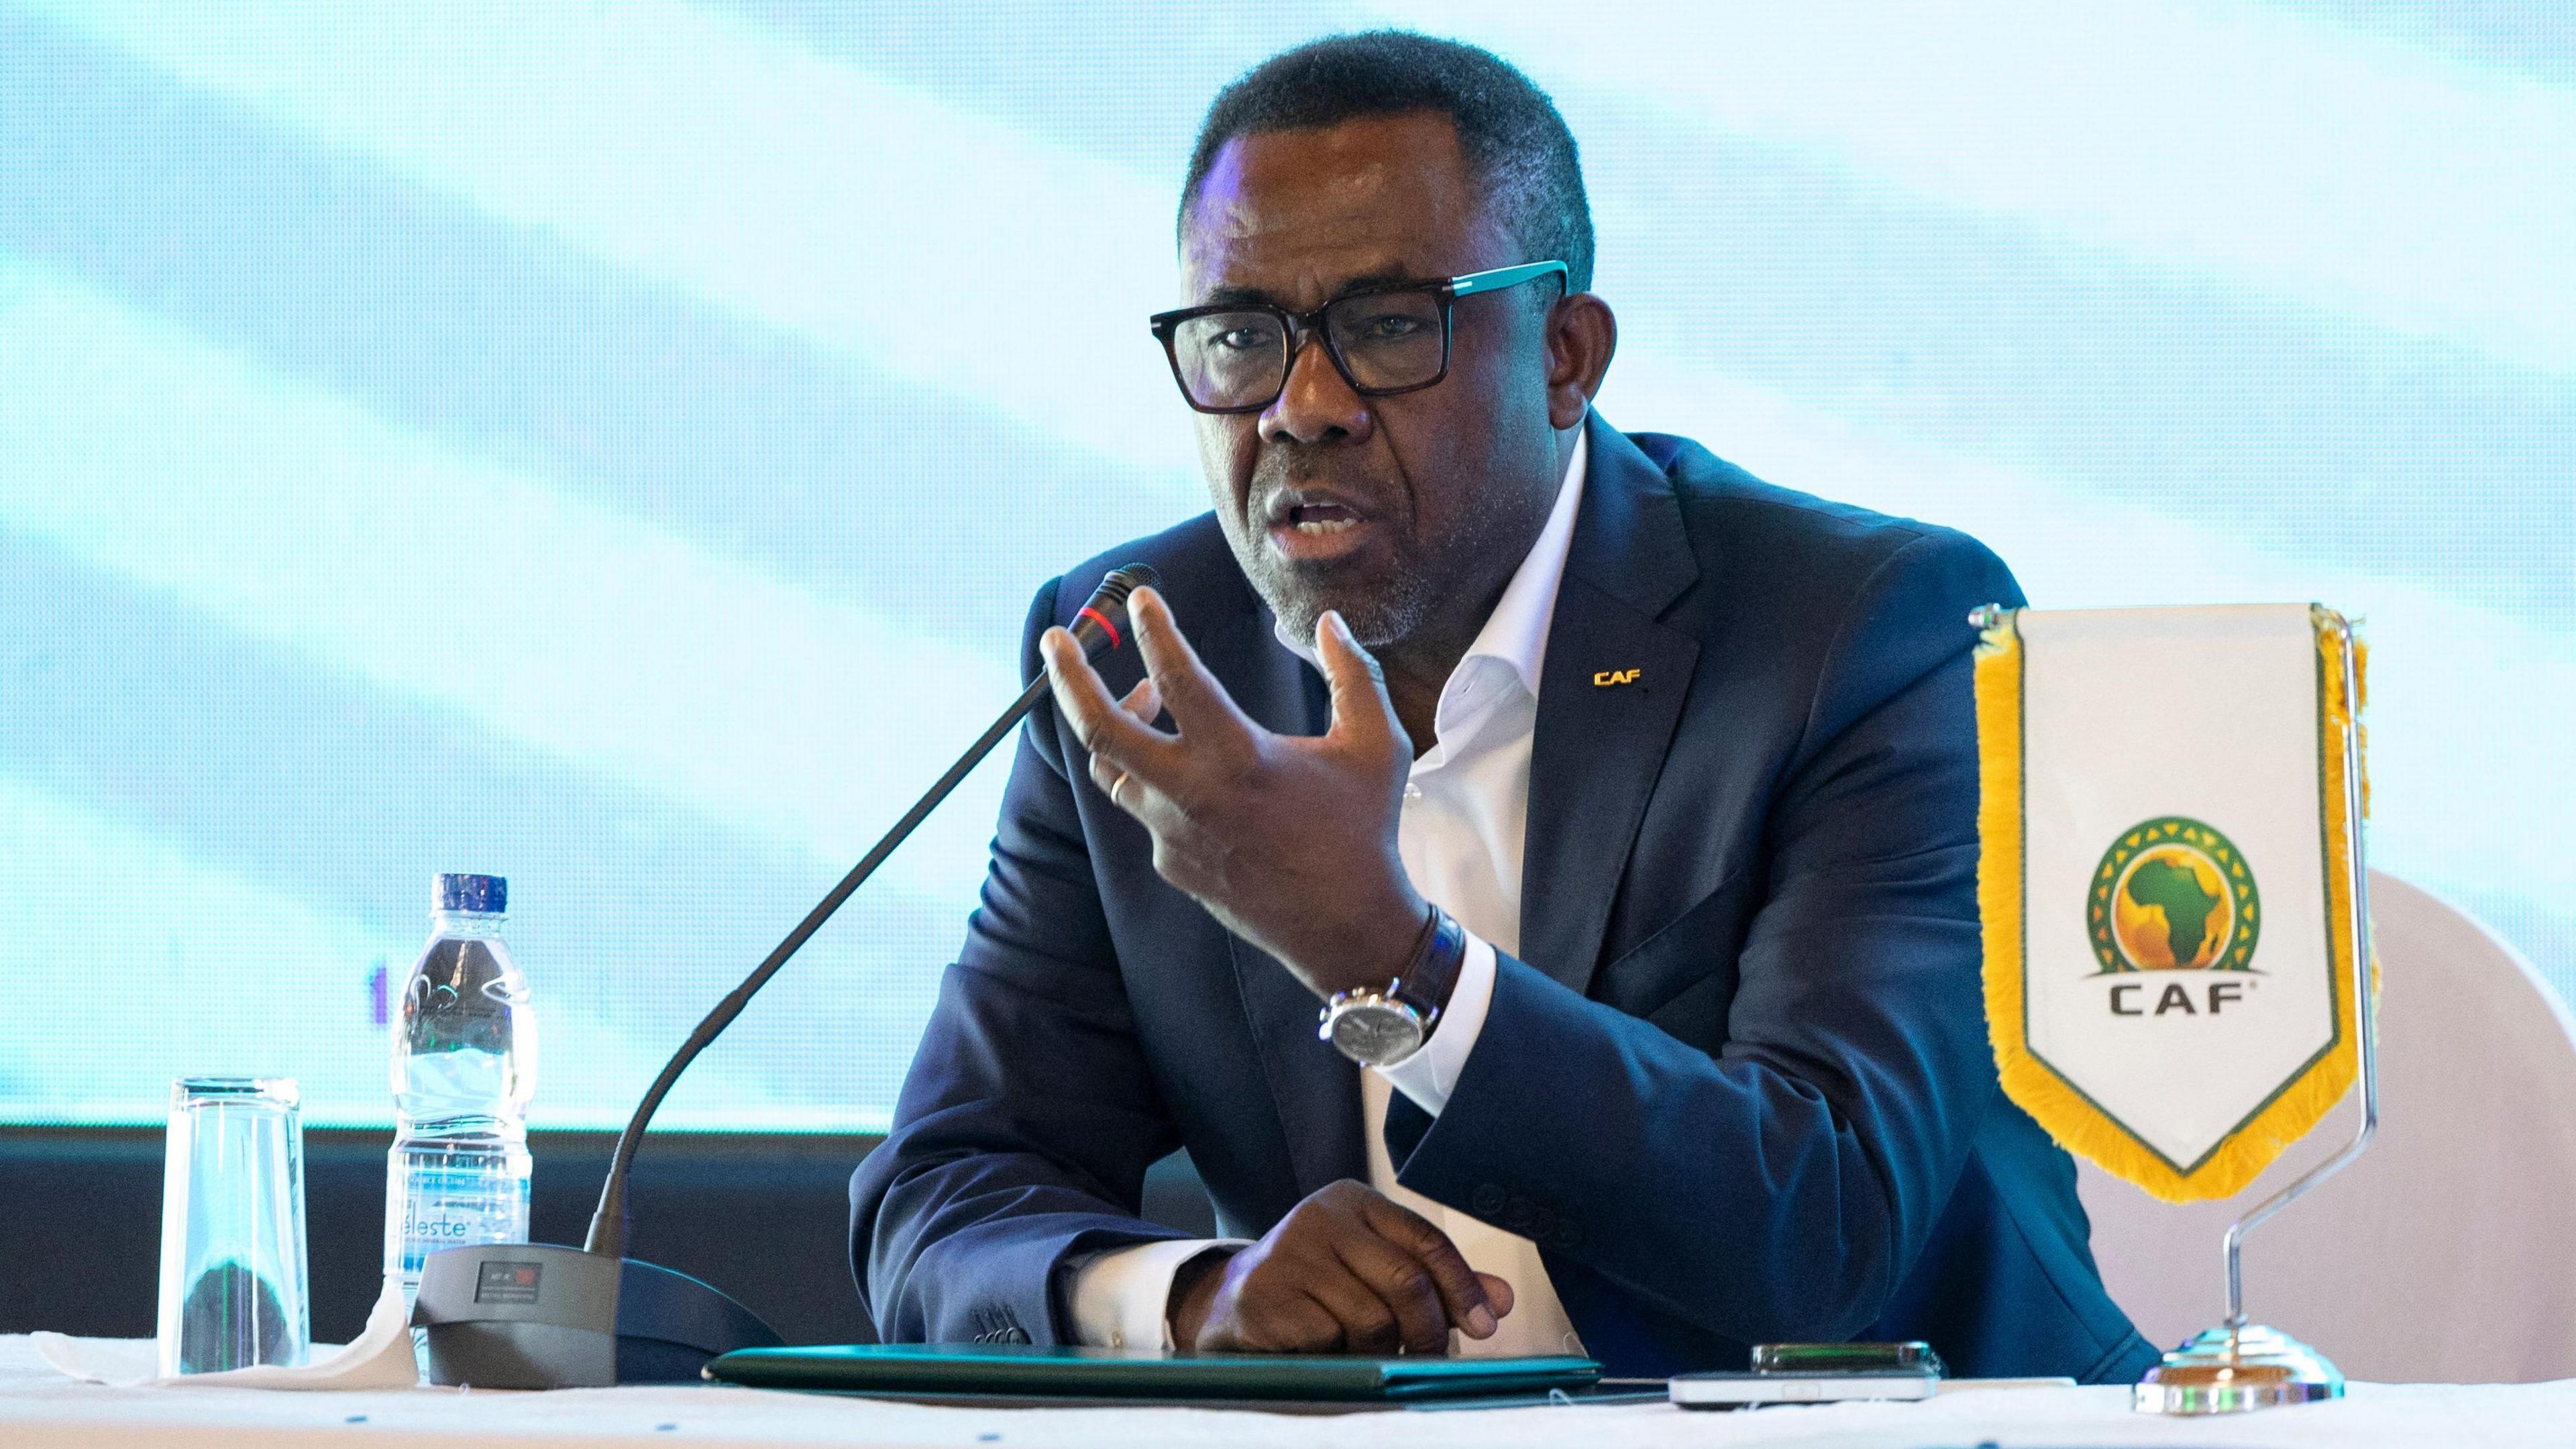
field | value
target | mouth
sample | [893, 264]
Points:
[1321, 518]
[1314, 527]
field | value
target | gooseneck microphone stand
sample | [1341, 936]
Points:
[543, 1316]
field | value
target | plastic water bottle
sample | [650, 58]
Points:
[464, 1066]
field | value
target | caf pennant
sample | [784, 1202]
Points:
[2167, 880]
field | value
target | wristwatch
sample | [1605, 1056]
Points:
[1378, 1026]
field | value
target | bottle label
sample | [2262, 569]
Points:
[453, 1205]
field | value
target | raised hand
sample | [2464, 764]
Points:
[1288, 840]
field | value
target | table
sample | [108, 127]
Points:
[40, 1409]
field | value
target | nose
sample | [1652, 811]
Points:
[1317, 405]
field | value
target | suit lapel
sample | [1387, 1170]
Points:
[1603, 733]
[1316, 1089]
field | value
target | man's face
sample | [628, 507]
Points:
[1406, 513]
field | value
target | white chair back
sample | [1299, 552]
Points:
[2445, 1253]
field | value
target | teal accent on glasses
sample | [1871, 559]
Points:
[1501, 277]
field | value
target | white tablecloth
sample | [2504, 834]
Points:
[40, 1409]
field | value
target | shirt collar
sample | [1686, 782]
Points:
[1516, 632]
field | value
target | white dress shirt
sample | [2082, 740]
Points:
[1466, 809]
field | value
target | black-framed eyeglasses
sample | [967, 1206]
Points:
[1234, 357]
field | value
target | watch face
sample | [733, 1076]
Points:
[1374, 1033]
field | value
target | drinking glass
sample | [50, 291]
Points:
[232, 1226]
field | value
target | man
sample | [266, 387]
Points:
[1614, 810]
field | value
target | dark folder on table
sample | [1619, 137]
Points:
[941, 1370]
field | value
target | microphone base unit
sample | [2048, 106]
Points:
[541, 1316]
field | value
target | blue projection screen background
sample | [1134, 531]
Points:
[614, 445]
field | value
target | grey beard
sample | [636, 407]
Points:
[1378, 619]
[1388, 611]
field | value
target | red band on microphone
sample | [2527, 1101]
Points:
[1101, 619]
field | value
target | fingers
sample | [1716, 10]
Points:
[1328, 1305]
[1099, 724]
[1144, 703]
[1461, 1288]
[1272, 1323]
[1147, 803]
[1348, 1270]
[1401, 1288]
[1361, 708]
[1199, 705]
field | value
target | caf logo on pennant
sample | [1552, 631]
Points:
[2148, 1005]
[2173, 894]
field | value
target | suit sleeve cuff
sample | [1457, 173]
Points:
[1122, 1298]
[1428, 1075]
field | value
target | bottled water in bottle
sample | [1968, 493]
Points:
[464, 1065]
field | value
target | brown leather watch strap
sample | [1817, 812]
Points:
[1433, 973]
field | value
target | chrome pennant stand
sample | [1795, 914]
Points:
[2239, 1366]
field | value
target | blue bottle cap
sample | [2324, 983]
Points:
[488, 894]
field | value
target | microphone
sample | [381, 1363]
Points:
[543, 1316]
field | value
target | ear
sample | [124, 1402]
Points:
[1581, 335]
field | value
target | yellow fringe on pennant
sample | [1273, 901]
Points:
[2078, 1125]
[2075, 1122]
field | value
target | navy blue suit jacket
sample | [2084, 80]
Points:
[1737, 1084]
